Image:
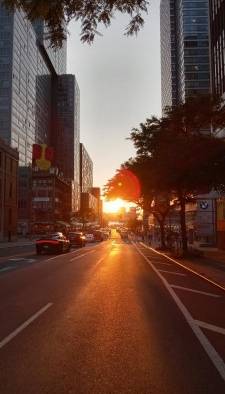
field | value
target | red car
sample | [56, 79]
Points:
[53, 243]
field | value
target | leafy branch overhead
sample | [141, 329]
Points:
[91, 13]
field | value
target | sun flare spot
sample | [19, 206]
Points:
[114, 206]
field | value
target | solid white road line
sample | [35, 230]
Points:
[158, 262]
[185, 267]
[82, 255]
[24, 325]
[172, 272]
[195, 291]
[211, 327]
[207, 346]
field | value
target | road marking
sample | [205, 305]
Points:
[82, 255]
[17, 259]
[185, 267]
[6, 269]
[207, 346]
[100, 260]
[172, 272]
[211, 327]
[24, 325]
[195, 291]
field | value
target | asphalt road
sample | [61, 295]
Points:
[111, 318]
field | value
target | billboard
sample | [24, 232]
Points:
[42, 156]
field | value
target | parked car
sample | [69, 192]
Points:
[53, 243]
[77, 239]
[90, 237]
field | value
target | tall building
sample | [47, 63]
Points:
[168, 53]
[66, 132]
[217, 22]
[31, 75]
[185, 52]
[26, 75]
[86, 170]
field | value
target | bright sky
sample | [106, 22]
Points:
[119, 80]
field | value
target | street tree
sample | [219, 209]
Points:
[187, 161]
[138, 182]
[90, 13]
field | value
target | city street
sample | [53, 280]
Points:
[114, 317]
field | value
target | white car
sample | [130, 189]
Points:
[89, 237]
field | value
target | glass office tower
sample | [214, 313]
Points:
[185, 45]
[217, 18]
[168, 53]
[25, 87]
[67, 132]
[30, 73]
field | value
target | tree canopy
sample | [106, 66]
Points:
[178, 156]
[91, 13]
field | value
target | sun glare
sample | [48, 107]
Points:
[114, 205]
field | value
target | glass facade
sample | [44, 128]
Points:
[25, 87]
[67, 130]
[86, 170]
[187, 49]
[57, 57]
[217, 17]
[168, 53]
[39, 103]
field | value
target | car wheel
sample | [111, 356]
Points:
[38, 251]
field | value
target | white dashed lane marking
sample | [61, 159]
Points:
[195, 291]
[172, 272]
[195, 325]
[24, 325]
[210, 327]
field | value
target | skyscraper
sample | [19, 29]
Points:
[185, 56]
[66, 132]
[217, 20]
[168, 53]
[31, 75]
[86, 170]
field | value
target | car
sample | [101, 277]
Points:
[98, 236]
[90, 237]
[53, 243]
[77, 239]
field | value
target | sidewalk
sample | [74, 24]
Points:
[211, 265]
[20, 242]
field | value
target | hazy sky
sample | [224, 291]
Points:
[119, 80]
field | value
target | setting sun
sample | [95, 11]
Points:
[114, 205]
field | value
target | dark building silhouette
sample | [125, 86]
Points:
[8, 192]
[217, 25]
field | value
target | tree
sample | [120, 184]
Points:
[185, 160]
[137, 181]
[91, 13]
